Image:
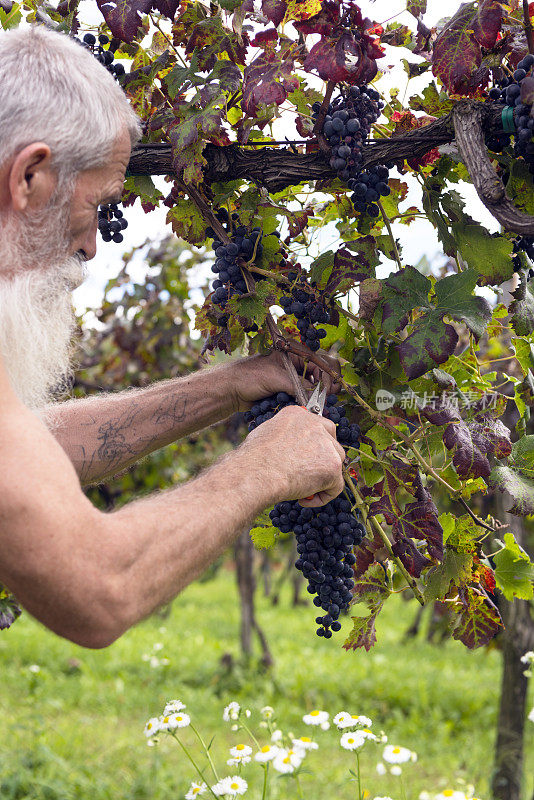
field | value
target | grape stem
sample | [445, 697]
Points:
[387, 223]
[373, 522]
[318, 127]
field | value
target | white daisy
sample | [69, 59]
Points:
[346, 720]
[380, 768]
[325, 726]
[396, 770]
[528, 658]
[352, 741]
[287, 760]
[267, 712]
[172, 707]
[230, 786]
[396, 755]
[424, 796]
[450, 794]
[367, 734]
[234, 762]
[169, 722]
[381, 798]
[152, 727]
[531, 716]
[267, 753]
[316, 718]
[240, 751]
[305, 743]
[196, 790]
[231, 712]
[277, 736]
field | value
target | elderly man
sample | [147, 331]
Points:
[66, 132]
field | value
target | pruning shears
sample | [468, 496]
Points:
[315, 405]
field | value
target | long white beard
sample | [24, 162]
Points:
[37, 324]
[37, 321]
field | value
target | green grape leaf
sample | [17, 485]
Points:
[523, 450]
[478, 621]
[187, 222]
[416, 7]
[263, 538]
[490, 256]
[514, 572]
[363, 633]
[524, 353]
[403, 291]
[455, 299]
[520, 188]
[519, 483]
[456, 567]
[522, 312]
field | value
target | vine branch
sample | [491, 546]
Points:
[528, 26]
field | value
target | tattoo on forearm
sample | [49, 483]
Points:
[118, 445]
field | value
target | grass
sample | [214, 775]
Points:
[73, 730]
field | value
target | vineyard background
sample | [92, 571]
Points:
[143, 332]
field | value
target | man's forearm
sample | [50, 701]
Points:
[105, 434]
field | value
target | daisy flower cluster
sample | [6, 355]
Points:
[173, 717]
[283, 753]
[153, 660]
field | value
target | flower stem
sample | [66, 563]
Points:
[359, 776]
[299, 787]
[193, 762]
[202, 742]
[265, 774]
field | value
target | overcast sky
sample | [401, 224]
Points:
[417, 240]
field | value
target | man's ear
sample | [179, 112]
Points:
[31, 178]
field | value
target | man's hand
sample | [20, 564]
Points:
[259, 376]
[300, 450]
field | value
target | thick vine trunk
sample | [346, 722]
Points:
[517, 638]
[246, 583]
[275, 169]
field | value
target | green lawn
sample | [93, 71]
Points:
[74, 730]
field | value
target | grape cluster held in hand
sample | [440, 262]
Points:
[326, 535]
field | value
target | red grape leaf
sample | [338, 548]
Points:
[416, 7]
[474, 442]
[419, 520]
[488, 23]
[411, 557]
[124, 16]
[457, 53]
[341, 59]
[363, 633]
[267, 80]
[167, 7]
[478, 621]
[210, 38]
[274, 10]
[355, 262]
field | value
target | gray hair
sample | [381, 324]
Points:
[54, 90]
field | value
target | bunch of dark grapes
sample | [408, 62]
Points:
[346, 127]
[245, 245]
[111, 222]
[308, 310]
[105, 56]
[110, 219]
[508, 91]
[326, 535]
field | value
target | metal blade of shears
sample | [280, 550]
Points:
[317, 400]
